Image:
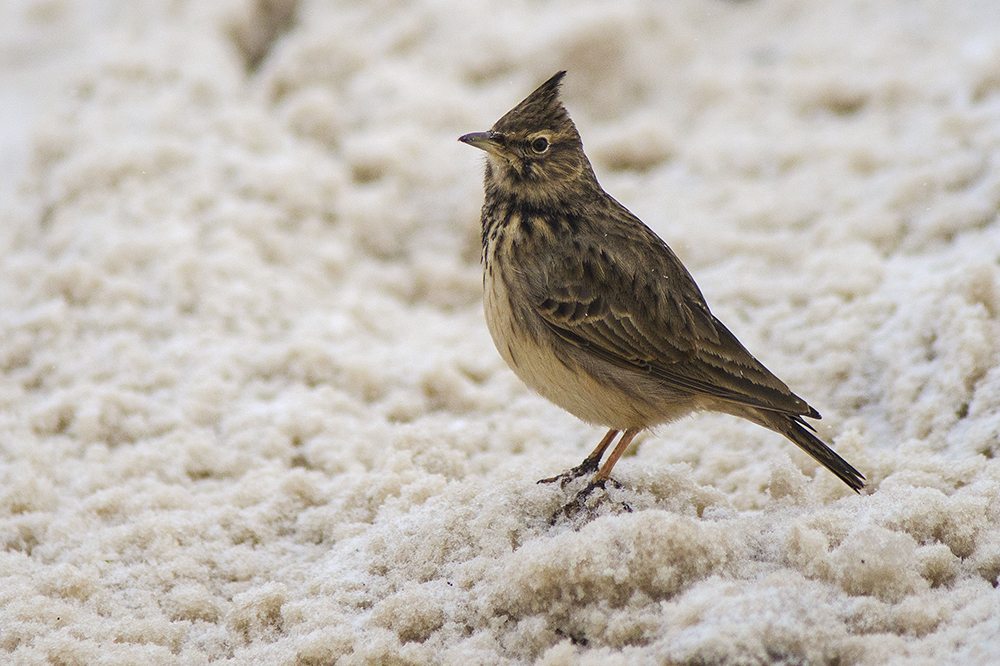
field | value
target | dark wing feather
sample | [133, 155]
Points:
[650, 318]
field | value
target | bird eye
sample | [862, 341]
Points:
[540, 145]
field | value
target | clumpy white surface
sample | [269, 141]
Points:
[249, 408]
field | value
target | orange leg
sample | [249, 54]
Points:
[600, 479]
[606, 468]
[589, 464]
[592, 461]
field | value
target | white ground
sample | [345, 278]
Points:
[249, 408]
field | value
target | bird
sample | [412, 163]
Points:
[594, 311]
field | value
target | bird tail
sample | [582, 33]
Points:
[801, 433]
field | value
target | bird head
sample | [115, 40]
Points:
[534, 152]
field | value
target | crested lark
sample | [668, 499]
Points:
[592, 310]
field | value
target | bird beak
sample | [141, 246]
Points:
[488, 141]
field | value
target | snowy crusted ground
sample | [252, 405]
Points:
[249, 408]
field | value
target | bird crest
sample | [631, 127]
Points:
[541, 108]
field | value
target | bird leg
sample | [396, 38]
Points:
[590, 464]
[623, 443]
[601, 479]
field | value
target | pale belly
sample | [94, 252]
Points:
[604, 395]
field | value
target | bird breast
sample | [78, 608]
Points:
[573, 379]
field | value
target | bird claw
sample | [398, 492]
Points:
[588, 466]
[579, 503]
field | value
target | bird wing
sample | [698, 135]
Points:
[650, 317]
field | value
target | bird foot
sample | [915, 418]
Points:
[580, 504]
[588, 466]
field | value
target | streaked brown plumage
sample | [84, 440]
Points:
[592, 310]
